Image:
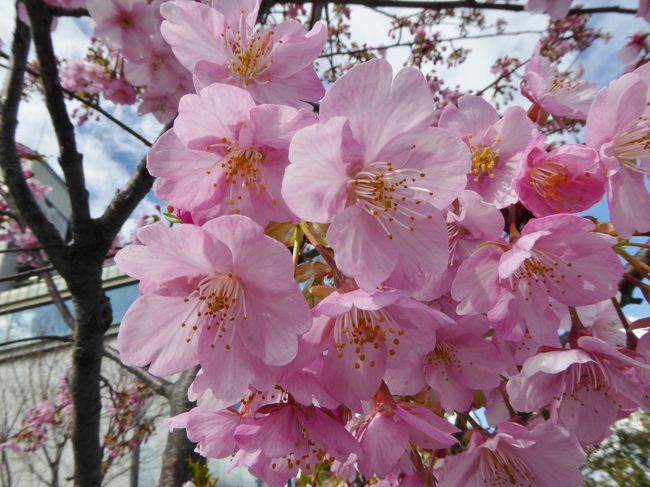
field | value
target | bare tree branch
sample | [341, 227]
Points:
[54, 338]
[435, 5]
[68, 12]
[445, 39]
[22, 196]
[625, 287]
[158, 385]
[70, 159]
[316, 13]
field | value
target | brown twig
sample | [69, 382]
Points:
[70, 159]
[631, 337]
[472, 4]
[157, 384]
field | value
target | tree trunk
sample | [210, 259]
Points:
[92, 317]
[178, 450]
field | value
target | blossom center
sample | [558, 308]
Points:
[564, 83]
[553, 182]
[249, 54]
[542, 271]
[499, 469]
[392, 195]
[216, 303]
[241, 168]
[455, 233]
[444, 354]
[125, 20]
[484, 159]
[633, 144]
[361, 328]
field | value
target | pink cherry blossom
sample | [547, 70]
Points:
[496, 144]
[558, 259]
[568, 179]
[462, 362]
[221, 44]
[631, 51]
[221, 295]
[212, 431]
[602, 321]
[294, 437]
[120, 92]
[225, 154]
[124, 24]
[158, 69]
[556, 93]
[470, 222]
[161, 104]
[386, 435]
[544, 455]
[377, 171]
[366, 333]
[618, 126]
[585, 388]
[83, 77]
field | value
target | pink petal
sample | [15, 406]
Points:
[151, 334]
[181, 251]
[378, 107]
[315, 183]
[362, 248]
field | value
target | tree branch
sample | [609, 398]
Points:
[316, 13]
[22, 196]
[127, 198]
[158, 385]
[93, 105]
[434, 5]
[68, 12]
[54, 338]
[69, 158]
[625, 287]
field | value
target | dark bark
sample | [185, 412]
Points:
[178, 450]
[93, 316]
[70, 159]
[625, 287]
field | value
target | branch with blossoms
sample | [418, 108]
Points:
[45, 428]
[353, 279]
[349, 281]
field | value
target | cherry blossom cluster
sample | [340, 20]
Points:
[51, 421]
[636, 51]
[444, 313]
[11, 231]
[126, 427]
[39, 422]
[135, 64]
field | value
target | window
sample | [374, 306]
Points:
[44, 319]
